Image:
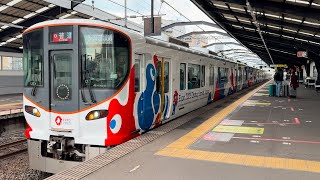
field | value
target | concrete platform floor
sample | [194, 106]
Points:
[250, 137]
[8, 102]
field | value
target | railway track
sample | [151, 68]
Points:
[13, 148]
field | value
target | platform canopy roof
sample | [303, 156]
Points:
[273, 29]
[18, 15]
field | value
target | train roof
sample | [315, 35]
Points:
[150, 40]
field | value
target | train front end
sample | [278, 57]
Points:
[79, 91]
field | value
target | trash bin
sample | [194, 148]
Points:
[272, 89]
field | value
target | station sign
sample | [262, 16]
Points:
[302, 54]
[278, 66]
[156, 26]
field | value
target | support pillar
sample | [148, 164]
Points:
[317, 63]
[308, 68]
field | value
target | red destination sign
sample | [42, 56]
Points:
[61, 37]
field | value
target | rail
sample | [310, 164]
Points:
[13, 148]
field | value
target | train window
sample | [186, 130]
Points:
[137, 75]
[33, 58]
[240, 74]
[203, 75]
[166, 77]
[223, 74]
[193, 76]
[226, 75]
[105, 57]
[182, 76]
[158, 77]
[62, 80]
[246, 74]
[211, 75]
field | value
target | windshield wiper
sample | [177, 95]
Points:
[88, 80]
[34, 88]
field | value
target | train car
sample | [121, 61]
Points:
[90, 85]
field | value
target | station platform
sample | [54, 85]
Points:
[10, 104]
[247, 135]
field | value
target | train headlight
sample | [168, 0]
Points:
[32, 110]
[96, 114]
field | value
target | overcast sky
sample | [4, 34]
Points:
[144, 7]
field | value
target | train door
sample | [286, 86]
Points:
[211, 81]
[236, 79]
[239, 78]
[164, 87]
[64, 85]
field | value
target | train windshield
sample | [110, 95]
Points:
[33, 58]
[104, 58]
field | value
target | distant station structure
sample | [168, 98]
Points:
[280, 32]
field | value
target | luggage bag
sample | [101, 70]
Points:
[272, 89]
[285, 90]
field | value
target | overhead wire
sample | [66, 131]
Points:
[191, 21]
[181, 14]
[138, 12]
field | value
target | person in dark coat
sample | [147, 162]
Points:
[278, 78]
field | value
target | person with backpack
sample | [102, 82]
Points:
[278, 78]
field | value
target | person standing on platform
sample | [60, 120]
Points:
[294, 84]
[278, 78]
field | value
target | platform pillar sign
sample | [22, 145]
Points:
[302, 54]
[278, 66]
[156, 26]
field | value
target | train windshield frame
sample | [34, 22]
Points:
[33, 58]
[104, 56]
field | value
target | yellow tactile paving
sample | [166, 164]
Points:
[239, 159]
[258, 103]
[238, 129]
[180, 149]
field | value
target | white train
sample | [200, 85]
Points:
[90, 85]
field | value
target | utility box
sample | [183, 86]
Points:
[156, 26]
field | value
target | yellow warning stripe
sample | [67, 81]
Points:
[180, 149]
[240, 159]
[208, 125]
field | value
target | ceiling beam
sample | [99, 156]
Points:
[222, 43]
[280, 32]
[189, 23]
[271, 45]
[10, 49]
[202, 32]
[285, 58]
[265, 20]
[274, 6]
[51, 13]
[281, 40]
